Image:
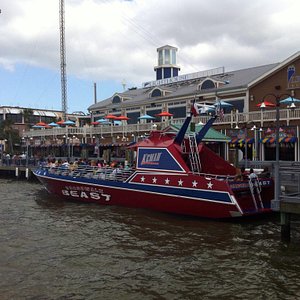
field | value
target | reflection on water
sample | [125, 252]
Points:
[57, 250]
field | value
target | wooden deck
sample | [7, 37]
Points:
[289, 200]
[17, 171]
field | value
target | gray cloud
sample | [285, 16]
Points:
[118, 39]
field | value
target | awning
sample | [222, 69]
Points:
[237, 141]
[271, 140]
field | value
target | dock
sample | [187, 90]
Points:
[18, 171]
[289, 200]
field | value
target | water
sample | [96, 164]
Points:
[56, 250]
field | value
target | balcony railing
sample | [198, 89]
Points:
[232, 119]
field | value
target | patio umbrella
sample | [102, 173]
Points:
[61, 122]
[43, 124]
[289, 101]
[266, 104]
[222, 104]
[205, 109]
[53, 124]
[69, 122]
[164, 114]
[146, 117]
[110, 117]
[38, 126]
[122, 118]
[103, 121]
[95, 123]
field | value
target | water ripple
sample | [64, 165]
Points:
[57, 250]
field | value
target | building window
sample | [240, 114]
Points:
[178, 112]
[156, 93]
[48, 119]
[207, 84]
[15, 118]
[154, 112]
[133, 117]
[33, 119]
[116, 99]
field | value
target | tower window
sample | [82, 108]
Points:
[173, 56]
[167, 56]
[160, 58]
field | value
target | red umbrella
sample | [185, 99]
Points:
[164, 114]
[122, 118]
[95, 123]
[266, 104]
[111, 117]
[41, 124]
[60, 122]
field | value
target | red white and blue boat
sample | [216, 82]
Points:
[174, 173]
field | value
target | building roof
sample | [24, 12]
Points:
[232, 80]
[211, 136]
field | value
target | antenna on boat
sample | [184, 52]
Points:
[181, 133]
[201, 134]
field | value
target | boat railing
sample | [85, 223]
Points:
[209, 176]
[91, 172]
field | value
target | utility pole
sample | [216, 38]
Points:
[63, 58]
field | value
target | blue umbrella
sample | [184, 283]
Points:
[222, 104]
[38, 126]
[289, 100]
[146, 117]
[53, 124]
[206, 109]
[69, 122]
[103, 121]
[116, 122]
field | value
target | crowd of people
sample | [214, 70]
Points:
[88, 168]
[53, 162]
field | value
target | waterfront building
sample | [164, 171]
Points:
[251, 131]
[243, 89]
[23, 118]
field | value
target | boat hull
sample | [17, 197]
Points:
[200, 202]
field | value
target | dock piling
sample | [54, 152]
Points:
[285, 222]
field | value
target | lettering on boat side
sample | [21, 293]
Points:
[85, 193]
[246, 185]
[151, 159]
[157, 159]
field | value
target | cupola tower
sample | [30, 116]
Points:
[166, 67]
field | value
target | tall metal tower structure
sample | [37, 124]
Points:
[63, 58]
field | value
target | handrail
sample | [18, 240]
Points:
[93, 172]
[228, 119]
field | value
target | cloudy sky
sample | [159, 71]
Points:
[112, 41]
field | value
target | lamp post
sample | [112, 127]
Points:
[263, 105]
[256, 138]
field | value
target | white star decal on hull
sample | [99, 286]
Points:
[194, 183]
[209, 185]
[142, 179]
[180, 182]
[167, 181]
[154, 179]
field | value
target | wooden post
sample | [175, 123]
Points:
[285, 222]
[17, 172]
